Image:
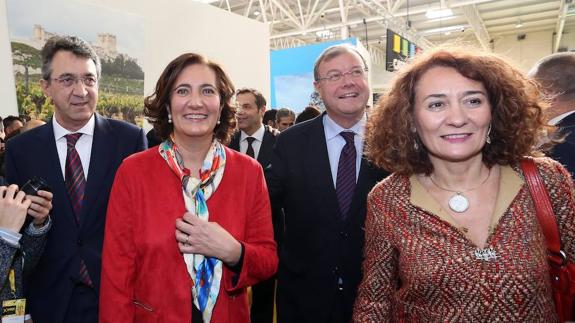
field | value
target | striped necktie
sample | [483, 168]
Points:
[76, 185]
[345, 182]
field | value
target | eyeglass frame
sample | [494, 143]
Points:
[340, 76]
[62, 78]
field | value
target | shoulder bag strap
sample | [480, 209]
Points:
[544, 210]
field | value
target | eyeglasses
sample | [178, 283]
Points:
[336, 76]
[69, 80]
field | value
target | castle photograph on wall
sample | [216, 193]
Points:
[118, 38]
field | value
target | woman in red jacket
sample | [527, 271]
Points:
[214, 199]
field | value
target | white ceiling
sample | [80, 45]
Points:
[298, 22]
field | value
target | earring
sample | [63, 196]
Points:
[169, 117]
[218, 122]
[415, 145]
[488, 138]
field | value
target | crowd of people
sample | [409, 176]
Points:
[413, 210]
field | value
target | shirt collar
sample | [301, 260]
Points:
[560, 118]
[332, 129]
[259, 134]
[87, 129]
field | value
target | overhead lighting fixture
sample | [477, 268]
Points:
[438, 13]
[207, 1]
[256, 13]
[519, 24]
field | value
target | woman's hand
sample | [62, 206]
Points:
[40, 207]
[13, 208]
[206, 238]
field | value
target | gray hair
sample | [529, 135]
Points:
[556, 74]
[284, 112]
[76, 45]
[332, 52]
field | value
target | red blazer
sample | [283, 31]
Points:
[144, 276]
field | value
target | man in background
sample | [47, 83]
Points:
[77, 153]
[285, 118]
[270, 118]
[556, 74]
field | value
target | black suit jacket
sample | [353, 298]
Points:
[320, 261]
[565, 152]
[34, 153]
[266, 148]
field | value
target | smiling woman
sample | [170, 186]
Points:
[187, 229]
[452, 235]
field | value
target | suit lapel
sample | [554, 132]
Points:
[319, 170]
[266, 148]
[101, 156]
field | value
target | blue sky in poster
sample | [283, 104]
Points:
[292, 74]
[68, 17]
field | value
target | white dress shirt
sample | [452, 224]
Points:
[256, 144]
[83, 145]
[560, 118]
[335, 143]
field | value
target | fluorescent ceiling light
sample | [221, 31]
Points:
[438, 13]
[256, 13]
[443, 30]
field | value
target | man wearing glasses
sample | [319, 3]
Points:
[321, 181]
[77, 154]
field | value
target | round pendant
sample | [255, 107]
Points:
[458, 203]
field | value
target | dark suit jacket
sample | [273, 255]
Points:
[34, 153]
[565, 152]
[266, 148]
[319, 248]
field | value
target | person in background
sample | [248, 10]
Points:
[452, 234]
[284, 118]
[31, 124]
[183, 245]
[20, 251]
[556, 74]
[308, 113]
[77, 154]
[12, 125]
[269, 118]
[318, 176]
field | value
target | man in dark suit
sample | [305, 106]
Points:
[257, 140]
[253, 137]
[319, 178]
[556, 74]
[77, 153]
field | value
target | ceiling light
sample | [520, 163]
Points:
[447, 33]
[438, 13]
[519, 24]
[256, 13]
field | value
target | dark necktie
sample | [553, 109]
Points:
[345, 182]
[250, 151]
[76, 184]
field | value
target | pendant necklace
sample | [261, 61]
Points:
[459, 202]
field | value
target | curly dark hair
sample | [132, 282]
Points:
[517, 125]
[155, 105]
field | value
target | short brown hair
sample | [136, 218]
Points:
[155, 105]
[516, 127]
[333, 52]
[260, 100]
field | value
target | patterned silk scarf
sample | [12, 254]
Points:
[206, 273]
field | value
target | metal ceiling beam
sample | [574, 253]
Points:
[248, 8]
[396, 5]
[263, 14]
[344, 31]
[563, 8]
[475, 21]
[314, 18]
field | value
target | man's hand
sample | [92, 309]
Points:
[195, 235]
[13, 208]
[40, 207]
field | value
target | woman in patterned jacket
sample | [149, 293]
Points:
[452, 235]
